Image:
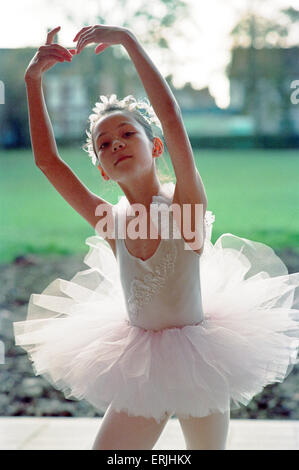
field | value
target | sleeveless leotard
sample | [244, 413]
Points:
[179, 332]
[163, 290]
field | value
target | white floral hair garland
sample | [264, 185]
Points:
[130, 103]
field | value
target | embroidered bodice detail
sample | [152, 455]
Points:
[143, 289]
[163, 290]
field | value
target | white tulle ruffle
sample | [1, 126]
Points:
[78, 336]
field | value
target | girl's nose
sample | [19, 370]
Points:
[117, 144]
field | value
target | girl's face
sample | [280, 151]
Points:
[123, 148]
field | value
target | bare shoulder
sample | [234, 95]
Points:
[196, 227]
[112, 245]
[104, 221]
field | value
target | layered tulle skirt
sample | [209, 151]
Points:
[78, 335]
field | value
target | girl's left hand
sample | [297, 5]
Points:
[105, 36]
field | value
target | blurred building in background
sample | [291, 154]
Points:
[260, 86]
[68, 103]
[260, 113]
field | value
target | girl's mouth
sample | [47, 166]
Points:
[122, 158]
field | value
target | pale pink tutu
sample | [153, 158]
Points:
[78, 335]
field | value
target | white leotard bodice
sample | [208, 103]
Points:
[164, 290]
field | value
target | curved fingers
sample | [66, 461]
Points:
[101, 47]
[87, 38]
[61, 49]
[51, 34]
[56, 49]
[48, 56]
[81, 31]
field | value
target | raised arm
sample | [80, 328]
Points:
[43, 141]
[41, 132]
[162, 99]
[189, 184]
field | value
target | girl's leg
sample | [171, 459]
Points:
[119, 431]
[207, 433]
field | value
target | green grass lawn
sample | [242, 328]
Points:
[253, 194]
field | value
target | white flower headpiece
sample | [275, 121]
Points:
[129, 103]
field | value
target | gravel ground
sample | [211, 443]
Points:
[24, 394]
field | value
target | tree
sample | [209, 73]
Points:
[154, 21]
[257, 32]
[13, 114]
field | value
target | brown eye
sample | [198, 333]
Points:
[104, 144]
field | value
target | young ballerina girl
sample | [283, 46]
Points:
[158, 325]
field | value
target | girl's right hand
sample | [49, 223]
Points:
[47, 56]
